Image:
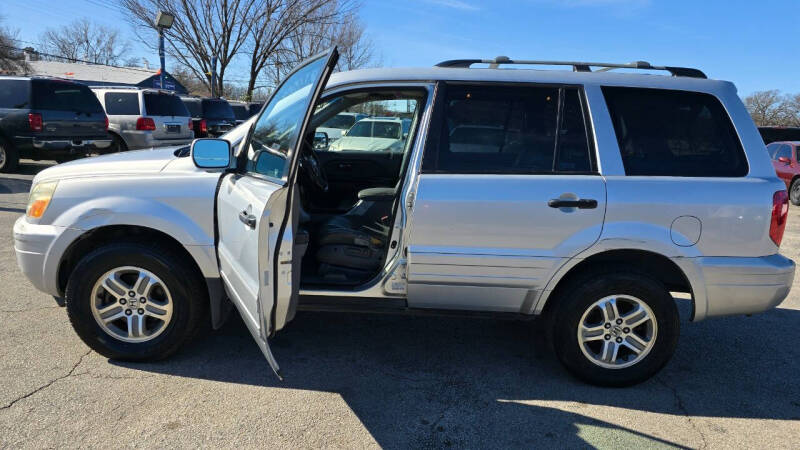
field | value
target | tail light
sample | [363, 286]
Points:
[145, 124]
[191, 124]
[105, 124]
[35, 122]
[203, 126]
[780, 211]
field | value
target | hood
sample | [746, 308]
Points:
[126, 163]
[362, 143]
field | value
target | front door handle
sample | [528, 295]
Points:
[581, 203]
[248, 219]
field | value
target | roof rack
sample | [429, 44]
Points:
[576, 66]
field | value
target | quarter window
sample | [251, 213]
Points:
[674, 133]
[122, 103]
[14, 94]
[511, 130]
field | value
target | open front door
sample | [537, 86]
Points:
[256, 213]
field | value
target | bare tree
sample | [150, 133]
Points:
[202, 29]
[12, 61]
[275, 21]
[770, 108]
[84, 40]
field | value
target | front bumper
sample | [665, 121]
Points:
[744, 285]
[36, 246]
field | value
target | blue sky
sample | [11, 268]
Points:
[755, 44]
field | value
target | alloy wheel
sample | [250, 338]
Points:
[617, 331]
[131, 304]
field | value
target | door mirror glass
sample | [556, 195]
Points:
[211, 153]
[784, 160]
[321, 140]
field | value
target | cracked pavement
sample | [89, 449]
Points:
[385, 381]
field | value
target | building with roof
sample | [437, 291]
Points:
[102, 75]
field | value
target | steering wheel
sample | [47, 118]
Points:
[312, 169]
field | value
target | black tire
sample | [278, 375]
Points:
[190, 300]
[117, 145]
[794, 192]
[594, 286]
[9, 157]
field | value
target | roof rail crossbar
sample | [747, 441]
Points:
[577, 66]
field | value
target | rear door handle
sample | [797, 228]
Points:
[581, 203]
[248, 219]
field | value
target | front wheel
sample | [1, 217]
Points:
[615, 328]
[135, 302]
[794, 192]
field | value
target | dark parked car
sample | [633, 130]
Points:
[210, 116]
[47, 118]
[774, 134]
[245, 110]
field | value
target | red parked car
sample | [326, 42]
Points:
[784, 158]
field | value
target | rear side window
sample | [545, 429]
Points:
[122, 103]
[217, 109]
[674, 133]
[14, 94]
[511, 130]
[64, 96]
[164, 105]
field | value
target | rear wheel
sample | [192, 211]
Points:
[135, 302]
[9, 158]
[794, 192]
[615, 328]
[117, 145]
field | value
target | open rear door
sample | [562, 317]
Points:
[256, 206]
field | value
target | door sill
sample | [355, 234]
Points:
[384, 305]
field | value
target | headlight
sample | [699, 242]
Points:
[40, 197]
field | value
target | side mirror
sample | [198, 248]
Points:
[321, 140]
[785, 160]
[211, 153]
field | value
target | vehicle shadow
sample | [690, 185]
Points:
[428, 381]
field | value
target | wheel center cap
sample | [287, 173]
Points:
[616, 330]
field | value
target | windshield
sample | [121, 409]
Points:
[64, 96]
[388, 130]
[217, 109]
[340, 121]
[164, 105]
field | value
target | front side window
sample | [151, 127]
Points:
[277, 129]
[511, 130]
[784, 151]
[674, 133]
[367, 121]
[122, 103]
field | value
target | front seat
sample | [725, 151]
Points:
[356, 240]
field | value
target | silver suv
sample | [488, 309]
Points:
[144, 118]
[583, 198]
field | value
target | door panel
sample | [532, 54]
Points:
[255, 225]
[491, 242]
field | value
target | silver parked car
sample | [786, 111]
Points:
[590, 197]
[144, 118]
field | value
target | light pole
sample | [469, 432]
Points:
[163, 22]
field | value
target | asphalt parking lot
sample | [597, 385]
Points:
[395, 382]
